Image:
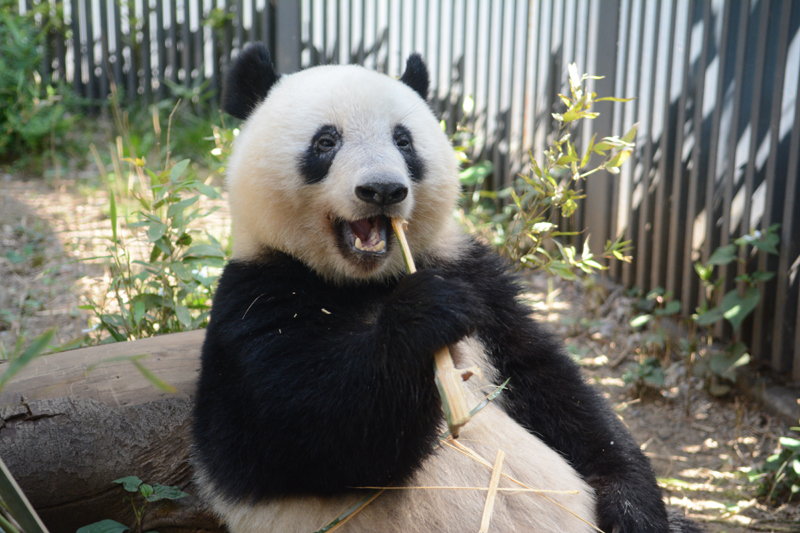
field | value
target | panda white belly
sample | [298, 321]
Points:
[428, 510]
[566, 502]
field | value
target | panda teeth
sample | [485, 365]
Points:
[376, 248]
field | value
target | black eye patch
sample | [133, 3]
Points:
[318, 157]
[405, 144]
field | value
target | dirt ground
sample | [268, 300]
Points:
[701, 447]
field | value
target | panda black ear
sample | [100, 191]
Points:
[416, 75]
[248, 80]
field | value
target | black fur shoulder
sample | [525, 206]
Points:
[307, 387]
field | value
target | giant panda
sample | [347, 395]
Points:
[317, 374]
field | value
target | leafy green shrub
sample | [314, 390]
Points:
[171, 290]
[141, 495]
[779, 476]
[645, 375]
[717, 367]
[735, 305]
[33, 115]
[524, 229]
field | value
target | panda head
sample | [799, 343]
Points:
[327, 156]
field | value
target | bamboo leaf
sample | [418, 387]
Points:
[178, 170]
[34, 350]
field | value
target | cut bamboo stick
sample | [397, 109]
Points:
[448, 378]
[492, 494]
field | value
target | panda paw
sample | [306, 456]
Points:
[433, 310]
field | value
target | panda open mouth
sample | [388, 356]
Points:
[363, 241]
[367, 234]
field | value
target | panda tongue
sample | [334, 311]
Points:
[362, 228]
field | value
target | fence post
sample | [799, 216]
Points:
[600, 215]
[288, 36]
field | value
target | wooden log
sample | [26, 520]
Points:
[66, 435]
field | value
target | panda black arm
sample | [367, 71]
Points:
[548, 395]
[309, 388]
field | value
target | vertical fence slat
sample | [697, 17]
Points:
[77, 66]
[787, 323]
[60, 46]
[599, 188]
[662, 171]
[161, 51]
[146, 48]
[710, 240]
[630, 68]
[755, 127]
[105, 62]
[689, 284]
[645, 220]
[764, 313]
[729, 177]
[172, 55]
[93, 83]
[677, 198]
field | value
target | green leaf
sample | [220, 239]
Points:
[768, 243]
[209, 191]
[184, 317]
[792, 444]
[566, 160]
[154, 379]
[570, 116]
[204, 250]
[613, 99]
[104, 526]
[628, 138]
[536, 169]
[760, 276]
[164, 492]
[476, 173]
[129, 483]
[156, 231]
[736, 308]
[178, 170]
[146, 490]
[711, 316]
[138, 311]
[672, 307]
[640, 320]
[181, 271]
[723, 255]
[703, 271]
[588, 151]
[618, 159]
[34, 350]
[725, 364]
[113, 216]
[178, 207]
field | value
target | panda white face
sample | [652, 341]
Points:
[323, 163]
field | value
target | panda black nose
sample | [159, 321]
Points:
[382, 194]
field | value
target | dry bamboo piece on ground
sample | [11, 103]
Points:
[448, 378]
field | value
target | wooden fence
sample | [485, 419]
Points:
[716, 87]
